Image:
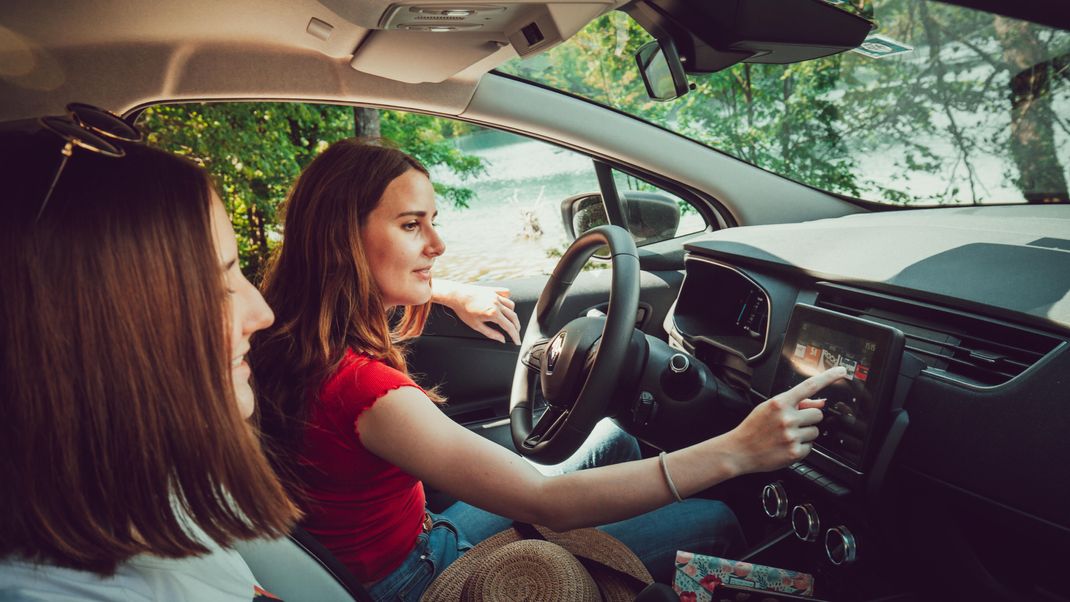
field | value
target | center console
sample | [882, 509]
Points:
[831, 514]
[823, 508]
[857, 408]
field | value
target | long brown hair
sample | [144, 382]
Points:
[320, 286]
[119, 420]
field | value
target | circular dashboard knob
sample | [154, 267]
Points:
[775, 500]
[805, 522]
[840, 545]
[679, 363]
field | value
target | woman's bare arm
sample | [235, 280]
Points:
[406, 429]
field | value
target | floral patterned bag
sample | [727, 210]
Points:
[698, 576]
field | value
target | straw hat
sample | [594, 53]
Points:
[506, 567]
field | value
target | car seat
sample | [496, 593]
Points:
[299, 567]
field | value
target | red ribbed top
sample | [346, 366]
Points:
[365, 510]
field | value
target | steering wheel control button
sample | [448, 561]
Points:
[840, 546]
[775, 500]
[645, 409]
[553, 353]
[534, 358]
[679, 363]
[805, 522]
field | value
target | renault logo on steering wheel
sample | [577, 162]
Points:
[554, 352]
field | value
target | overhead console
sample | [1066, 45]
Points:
[417, 35]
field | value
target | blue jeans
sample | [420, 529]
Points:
[695, 525]
[434, 552]
[703, 526]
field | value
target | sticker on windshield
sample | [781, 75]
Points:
[879, 47]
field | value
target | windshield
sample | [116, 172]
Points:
[941, 105]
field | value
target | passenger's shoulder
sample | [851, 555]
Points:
[29, 581]
[221, 574]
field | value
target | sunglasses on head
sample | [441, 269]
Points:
[90, 128]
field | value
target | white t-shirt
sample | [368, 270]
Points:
[219, 575]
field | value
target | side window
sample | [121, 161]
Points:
[501, 197]
[652, 214]
[647, 221]
[532, 200]
[511, 225]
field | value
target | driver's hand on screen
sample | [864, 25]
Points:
[780, 430]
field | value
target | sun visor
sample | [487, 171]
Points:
[711, 36]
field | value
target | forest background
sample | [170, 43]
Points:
[976, 88]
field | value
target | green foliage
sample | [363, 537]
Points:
[253, 151]
[598, 64]
[749, 111]
[256, 150]
[977, 90]
[428, 139]
[926, 126]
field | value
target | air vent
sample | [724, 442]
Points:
[965, 347]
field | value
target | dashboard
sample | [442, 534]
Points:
[954, 325]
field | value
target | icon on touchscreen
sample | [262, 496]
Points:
[861, 372]
[851, 365]
[829, 360]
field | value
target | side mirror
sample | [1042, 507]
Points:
[652, 216]
[663, 73]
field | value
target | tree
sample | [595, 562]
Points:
[366, 123]
[1032, 131]
[256, 150]
[885, 128]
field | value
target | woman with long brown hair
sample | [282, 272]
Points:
[346, 420]
[129, 466]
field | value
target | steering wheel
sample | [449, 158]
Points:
[576, 366]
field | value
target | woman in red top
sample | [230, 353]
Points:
[359, 436]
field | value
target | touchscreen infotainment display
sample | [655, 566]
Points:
[817, 340]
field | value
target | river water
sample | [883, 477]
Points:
[512, 227]
[513, 224]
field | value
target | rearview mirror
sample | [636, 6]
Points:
[662, 71]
